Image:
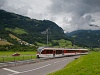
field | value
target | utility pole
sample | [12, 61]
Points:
[47, 36]
[74, 41]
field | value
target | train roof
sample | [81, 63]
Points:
[63, 49]
[49, 48]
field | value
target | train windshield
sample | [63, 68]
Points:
[40, 49]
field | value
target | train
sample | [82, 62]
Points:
[59, 52]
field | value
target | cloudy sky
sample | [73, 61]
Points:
[69, 14]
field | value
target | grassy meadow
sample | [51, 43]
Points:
[4, 43]
[17, 30]
[7, 56]
[85, 65]
[59, 43]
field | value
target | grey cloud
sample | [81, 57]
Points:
[2, 3]
[75, 6]
[17, 6]
[80, 10]
[31, 8]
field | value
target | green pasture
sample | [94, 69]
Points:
[58, 43]
[85, 65]
[17, 30]
[7, 56]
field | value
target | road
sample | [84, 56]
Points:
[40, 68]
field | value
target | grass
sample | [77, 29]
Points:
[85, 65]
[62, 43]
[14, 37]
[4, 43]
[17, 30]
[7, 56]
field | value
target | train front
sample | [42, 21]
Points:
[39, 50]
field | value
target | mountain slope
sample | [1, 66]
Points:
[90, 38]
[29, 30]
[4, 43]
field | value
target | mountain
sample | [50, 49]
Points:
[89, 38]
[29, 30]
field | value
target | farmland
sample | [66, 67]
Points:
[85, 65]
[4, 43]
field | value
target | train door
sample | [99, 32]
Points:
[54, 53]
[58, 53]
[62, 52]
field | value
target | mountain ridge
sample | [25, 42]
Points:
[89, 38]
[30, 29]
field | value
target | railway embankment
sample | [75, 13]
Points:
[85, 65]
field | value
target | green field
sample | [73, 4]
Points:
[85, 65]
[4, 43]
[59, 43]
[7, 56]
[17, 30]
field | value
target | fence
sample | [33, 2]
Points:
[16, 58]
[16, 62]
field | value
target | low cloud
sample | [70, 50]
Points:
[68, 14]
[2, 3]
[81, 13]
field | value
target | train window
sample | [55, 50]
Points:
[58, 51]
[83, 51]
[49, 51]
[74, 51]
[70, 51]
[43, 52]
[65, 51]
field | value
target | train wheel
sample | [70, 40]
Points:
[37, 56]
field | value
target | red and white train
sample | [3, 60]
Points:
[58, 52]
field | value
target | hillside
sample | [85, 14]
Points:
[89, 38]
[4, 43]
[29, 30]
